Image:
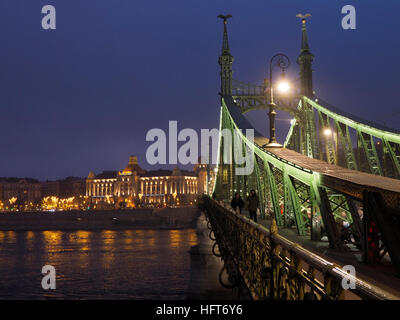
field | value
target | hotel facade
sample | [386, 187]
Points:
[135, 187]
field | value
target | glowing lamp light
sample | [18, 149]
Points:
[283, 86]
[327, 132]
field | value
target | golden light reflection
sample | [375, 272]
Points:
[11, 236]
[192, 238]
[152, 239]
[128, 237]
[30, 235]
[52, 238]
[175, 238]
[139, 237]
[152, 242]
[83, 238]
[108, 237]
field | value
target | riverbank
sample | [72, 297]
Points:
[158, 218]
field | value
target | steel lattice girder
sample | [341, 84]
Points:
[345, 141]
[368, 147]
[394, 152]
[365, 137]
[290, 171]
[329, 144]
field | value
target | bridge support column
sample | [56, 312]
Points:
[205, 268]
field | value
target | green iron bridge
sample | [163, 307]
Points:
[315, 184]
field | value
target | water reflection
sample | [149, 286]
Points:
[30, 238]
[175, 238]
[82, 238]
[126, 264]
[11, 236]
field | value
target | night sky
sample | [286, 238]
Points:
[83, 96]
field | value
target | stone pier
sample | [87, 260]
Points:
[205, 268]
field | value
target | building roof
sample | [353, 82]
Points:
[15, 180]
[91, 175]
[108, 174]
[130, 168]
[167, 173]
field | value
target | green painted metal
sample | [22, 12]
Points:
[311, 145]
[290, 137]
[300, 193]
[259, 177]
[299, 196]
[393, 150]
[292, 203]
[345, 142]
[365, 134]
[358, 126]
[330, 151]
[340, 148]
[368, 147]
[273, 192]
[303, 135]
[294, 208]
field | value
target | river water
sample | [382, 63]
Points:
[107, 264]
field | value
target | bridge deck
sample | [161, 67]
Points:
[342, 179]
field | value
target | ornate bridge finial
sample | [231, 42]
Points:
[225, 43]
[303, 16]
[225, 18]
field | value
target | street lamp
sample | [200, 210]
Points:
[282, 61]
[328, 132]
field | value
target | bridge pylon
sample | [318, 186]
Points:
[305, 60]
[225, 60]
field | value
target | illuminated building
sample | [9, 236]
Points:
[65, 188]
[134, 186]
[101, 186]
[25, 190]
[165, 187]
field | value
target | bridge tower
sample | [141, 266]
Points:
[305, 60]
[225, 61]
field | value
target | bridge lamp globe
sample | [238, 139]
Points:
[283, 86]
[327, 132]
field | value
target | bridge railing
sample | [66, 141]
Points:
[270, 266]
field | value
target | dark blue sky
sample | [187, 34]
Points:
[82, 97]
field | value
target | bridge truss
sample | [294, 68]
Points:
[315, 197]
[336, 176]
[322, 131]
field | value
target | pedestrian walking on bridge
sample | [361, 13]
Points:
[253, 205]
[237, 203]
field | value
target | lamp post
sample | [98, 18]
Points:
[282, 61]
